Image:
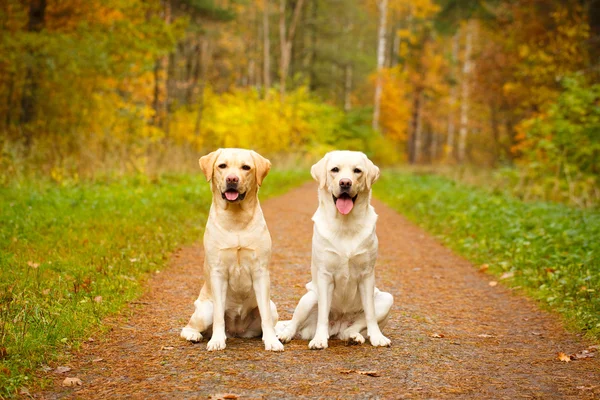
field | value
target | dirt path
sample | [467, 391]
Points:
[495, 344]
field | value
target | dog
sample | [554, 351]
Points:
[342, 300]
[235, 299]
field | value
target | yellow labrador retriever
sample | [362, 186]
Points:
[235, 299]
[342, 299]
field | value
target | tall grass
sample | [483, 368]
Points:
[551, 250]
[72, 254]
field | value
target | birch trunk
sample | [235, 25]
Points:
[286, 39]
[348, 88]
[464, 106]
[382, 5]
[266, 49]
[452, 102]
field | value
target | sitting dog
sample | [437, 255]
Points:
[342, 299]
[235, 299]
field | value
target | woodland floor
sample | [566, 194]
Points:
[496, 343]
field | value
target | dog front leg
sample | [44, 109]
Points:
[261, 284]
[325, 289]
[366, 288]
[219, 290]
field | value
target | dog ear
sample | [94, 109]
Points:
[207, 163]
[319, 171]
[263, 166]
[372, 173]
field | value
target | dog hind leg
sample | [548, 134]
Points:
[200, 321]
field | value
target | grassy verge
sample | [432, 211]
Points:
[550, 250]
[71, 255]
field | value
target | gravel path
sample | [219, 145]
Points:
[494, 344]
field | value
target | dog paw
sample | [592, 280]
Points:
[286, 335]
[354, 338]
[215, 344]
[380, 341]
[318, 344]
[191, 334]
[273, 344]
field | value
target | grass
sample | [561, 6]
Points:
[70, 255]
[550, 250]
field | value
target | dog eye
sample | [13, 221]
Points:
[335, 169]
[222, 166]
[357, 171]
[246, 167]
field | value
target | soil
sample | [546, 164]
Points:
[494, 342]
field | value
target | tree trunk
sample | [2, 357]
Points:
[464, 106]
[414, 141]
[161, 79]
[286, 38]
[37, 12]
[204, 59]
[450, 152]
[313, 47]
[382, 5]
[347, 87]
[266, 49]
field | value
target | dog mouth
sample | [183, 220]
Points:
[344, 203]
[233, 195]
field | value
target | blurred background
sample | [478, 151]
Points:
[497, 92]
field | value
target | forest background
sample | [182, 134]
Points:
[91, 88]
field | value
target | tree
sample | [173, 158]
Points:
[382, 5]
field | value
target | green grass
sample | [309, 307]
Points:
[553, 250]
[70, 255]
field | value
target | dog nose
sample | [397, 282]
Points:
[345, 183]
[232, 179]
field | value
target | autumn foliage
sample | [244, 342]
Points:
[95, 87]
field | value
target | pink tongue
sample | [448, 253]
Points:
[231, 195]
[344, 205]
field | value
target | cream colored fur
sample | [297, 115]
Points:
[342, 299]
[235, 298]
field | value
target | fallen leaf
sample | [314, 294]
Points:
[369, 373]
[583, 354]
[493, 283]
[223, 396]
[62, 370]
[563, 357]
[3, 352]
[97, 359]
[98, 299]
[437, 335]
[484, 267]
[485, 335]
[536, 333]
[133, 260]
[32, 264]
[507, 275]
[46, 292]
[91, 339]
[347, 371]
[72, 382]
[24, 391]
[167, 348]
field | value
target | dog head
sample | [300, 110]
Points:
[234, 172]
[346, 175]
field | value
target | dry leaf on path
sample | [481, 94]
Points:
[437, 335]
[493, 283]
[369, 373]
[72, 382]
[484, 267]
[167, 347]
[97, 359]
[485, 335]
[62, 370]
[223, 396]
[563, 357]
[507, 275]
[352, 371]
